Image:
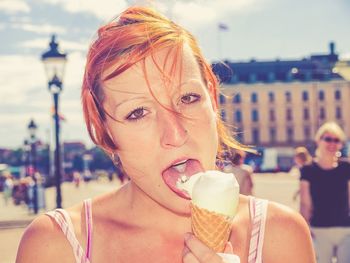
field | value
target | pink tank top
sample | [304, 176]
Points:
[257, 207]
[63, 220]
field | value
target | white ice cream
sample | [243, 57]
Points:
[213, 190]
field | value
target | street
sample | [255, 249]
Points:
[275, 187]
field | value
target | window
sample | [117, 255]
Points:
[305, 96]
[271, 96]
[288, 96]
[290, 134]
[322, 113]
[272, 135]
[337, 95]
[237, 98]
[271, 77]
[338, 113]
[306, 114]
[254, 98]
[239, 137]
[252, 78]
[222, 99]
[321, 95]
[223, 115]
[255, 136]
[289, 115]
[238, 116]
[272, 115]
[255, 115]
[307, 133]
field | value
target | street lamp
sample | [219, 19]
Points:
[54, 63]
[32, 128]
[26, 150]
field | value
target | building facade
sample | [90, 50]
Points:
[282, 103]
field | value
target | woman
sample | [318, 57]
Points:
[324, 196]
[302, 157]
[243, 173]
[149, 99]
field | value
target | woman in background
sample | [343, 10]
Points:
[324, 196]
[302, 157]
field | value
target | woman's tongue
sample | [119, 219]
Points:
[172, 174]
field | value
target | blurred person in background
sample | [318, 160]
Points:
[8, 187]
[150, 101]
[242, 172]
[324, 196]
[302, 157]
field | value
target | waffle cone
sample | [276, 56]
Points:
[211, 228]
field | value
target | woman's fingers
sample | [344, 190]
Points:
[198, 252]
[188, 257]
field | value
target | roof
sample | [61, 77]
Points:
[317, 67]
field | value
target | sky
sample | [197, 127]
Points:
[256, 29]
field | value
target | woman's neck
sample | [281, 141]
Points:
[327, 161]
[148, 213]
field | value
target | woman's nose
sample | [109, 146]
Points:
[173, 132]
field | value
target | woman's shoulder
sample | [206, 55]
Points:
[44, 241]
[286, 232]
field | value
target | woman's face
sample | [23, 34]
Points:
[329, 144]
[163, 136]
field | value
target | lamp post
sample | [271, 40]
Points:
[54, 63]
[26, 149]
[32, 128]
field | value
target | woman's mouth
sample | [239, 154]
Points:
[181, 170]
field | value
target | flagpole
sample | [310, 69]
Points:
[221, 27]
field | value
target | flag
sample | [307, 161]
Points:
[60, 115]
[223, 27]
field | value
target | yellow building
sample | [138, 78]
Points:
[284, 114]
[282, 103]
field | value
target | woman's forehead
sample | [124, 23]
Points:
[162, 67]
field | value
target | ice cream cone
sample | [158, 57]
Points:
[212, 228]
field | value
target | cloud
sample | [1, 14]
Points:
[103, 9]
[208, 11]
[43, 43]
[345, 56]
[14, 6]
[24, 84]
[40, 29]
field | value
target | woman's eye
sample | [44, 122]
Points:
[136, 114]
[190, 98]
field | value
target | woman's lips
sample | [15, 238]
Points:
[172, 175]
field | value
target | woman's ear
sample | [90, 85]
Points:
[213, 97]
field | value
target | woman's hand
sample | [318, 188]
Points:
[196, 252]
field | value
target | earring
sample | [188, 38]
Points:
[115, 159]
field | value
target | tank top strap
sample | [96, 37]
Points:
[258, 212]
[64, 221]
[89, 226]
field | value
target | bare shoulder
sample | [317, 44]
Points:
[44, 241]
[287, 236]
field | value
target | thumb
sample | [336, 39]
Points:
[228, 248]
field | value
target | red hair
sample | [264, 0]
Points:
[136, 34]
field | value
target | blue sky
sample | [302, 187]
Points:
[259, 29]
